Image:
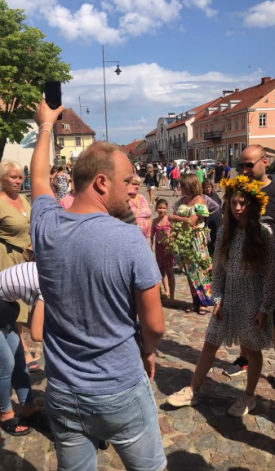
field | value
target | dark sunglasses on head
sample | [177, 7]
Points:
[249, 165]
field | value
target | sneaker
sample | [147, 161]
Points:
[243, 405]
[184, 397]
[238, 367]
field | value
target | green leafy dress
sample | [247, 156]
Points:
[191, 246]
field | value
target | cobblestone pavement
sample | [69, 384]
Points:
[203, 438]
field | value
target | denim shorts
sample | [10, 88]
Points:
[128, 420]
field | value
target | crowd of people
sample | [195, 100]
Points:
[89, 259]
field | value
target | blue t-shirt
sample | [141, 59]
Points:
[89, 268]
[169, 168]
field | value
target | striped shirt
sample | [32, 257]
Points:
[20, 282]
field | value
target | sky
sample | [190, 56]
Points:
[174, 54]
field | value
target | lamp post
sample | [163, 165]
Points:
[118, 72]
[87, 111]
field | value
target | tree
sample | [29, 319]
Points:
[27, 61]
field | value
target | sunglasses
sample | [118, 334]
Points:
[249, 165]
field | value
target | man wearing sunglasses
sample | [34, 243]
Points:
[253, 164]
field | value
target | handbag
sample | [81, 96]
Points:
[9, 312]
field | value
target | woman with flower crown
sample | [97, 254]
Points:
[242, 291]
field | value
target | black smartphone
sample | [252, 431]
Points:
[53, 95]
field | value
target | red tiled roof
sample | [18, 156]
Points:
[198, 109]
[130, 147]
[152, 133]
[248, 97]
[76, 125]
[140, 151]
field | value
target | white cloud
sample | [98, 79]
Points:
[261, 15]
[134, 17]
[205, 5]
[229, 32]
[143, 92]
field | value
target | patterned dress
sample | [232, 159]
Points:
[62, 187]
[199, 281]
[142, 213]
[165, 260]
[242, 293]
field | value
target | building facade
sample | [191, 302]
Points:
[239, 119]
[158, 139]
[72, 136]
[14, 151]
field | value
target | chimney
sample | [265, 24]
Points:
[265, 80]
[237, 90]
[227, 92]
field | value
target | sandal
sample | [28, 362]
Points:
[203, 312]
[38, 420]
[9, 426]
[32, 365]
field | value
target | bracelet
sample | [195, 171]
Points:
[43, 124]
[47, 130]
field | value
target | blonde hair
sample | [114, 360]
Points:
[192, 185]
[7, 165]
[136, 179]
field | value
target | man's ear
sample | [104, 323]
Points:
[101, 183]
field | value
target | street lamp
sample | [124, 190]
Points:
[118, 72]
[87, 112]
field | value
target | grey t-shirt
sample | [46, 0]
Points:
[89, 267]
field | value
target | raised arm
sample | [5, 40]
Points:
[40, 163]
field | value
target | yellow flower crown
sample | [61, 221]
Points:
[242, 184]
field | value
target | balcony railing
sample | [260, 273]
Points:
[212, 135]
[177, 145]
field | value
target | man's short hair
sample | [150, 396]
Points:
[97, 158]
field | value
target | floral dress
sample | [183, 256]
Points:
[242, 293]
[198, 280]
[165, 259]
[62, 187]
[142, 213]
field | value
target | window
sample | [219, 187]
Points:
[206, 128]
[201, 132]
[61, 141]
[236, 123]
[243, 121]
[211, 127]
[78, 141]
[229, 125]
[183, 138]
[65, 126]
[223, 125]
[217, 126]
[197, 131]
[262, 120]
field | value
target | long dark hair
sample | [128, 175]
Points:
[253, 251]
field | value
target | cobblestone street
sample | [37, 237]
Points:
[195, 439]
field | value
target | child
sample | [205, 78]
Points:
[165, 260]
[242, 291]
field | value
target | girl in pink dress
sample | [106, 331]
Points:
[165, 260]
[140, 208]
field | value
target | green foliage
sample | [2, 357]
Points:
[181, 242]
[27, 61]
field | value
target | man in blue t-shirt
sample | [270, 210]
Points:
[96, 275]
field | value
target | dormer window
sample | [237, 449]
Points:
[66, 127]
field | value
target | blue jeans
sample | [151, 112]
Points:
[13, 370]
[127, 419]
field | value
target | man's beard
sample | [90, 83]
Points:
[117, 207]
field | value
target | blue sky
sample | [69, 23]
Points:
[174, 54]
